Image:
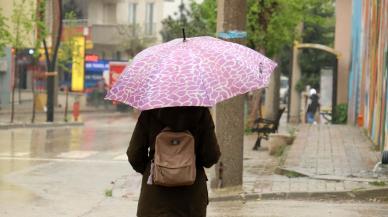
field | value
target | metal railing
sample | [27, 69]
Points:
[77, 22]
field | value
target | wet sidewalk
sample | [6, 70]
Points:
[325, 161]
[332, 152]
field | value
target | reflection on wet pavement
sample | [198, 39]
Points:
[11, 193]
[98, 134]
[22, 151]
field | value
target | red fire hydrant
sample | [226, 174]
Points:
[76, 108]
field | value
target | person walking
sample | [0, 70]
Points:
[178, 201]
[313, 106]
[174, 138]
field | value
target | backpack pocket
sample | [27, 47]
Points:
[169, 176]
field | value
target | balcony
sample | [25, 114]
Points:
[113, 34]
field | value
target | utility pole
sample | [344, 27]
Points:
[229, 115]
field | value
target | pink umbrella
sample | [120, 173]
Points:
[200, 71]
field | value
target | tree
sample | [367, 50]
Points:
[275, 33]
[319, 25]
[70, 6]
[199, 19]
[4, 33]
[41, 33]
[131, 41]
[271, 27]
[51, 57]
[65, 54]
[272, 23]
[20, 37]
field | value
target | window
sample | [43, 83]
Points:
[149, 18]
[109, 13]
[132, 13]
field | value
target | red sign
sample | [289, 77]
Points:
[91, 58]
[115, 70]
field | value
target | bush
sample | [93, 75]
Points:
[340, 114]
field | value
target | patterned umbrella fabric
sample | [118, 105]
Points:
[198, 72]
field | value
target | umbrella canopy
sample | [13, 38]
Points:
[200, 71]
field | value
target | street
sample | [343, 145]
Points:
[50, 170]
[83, 171]
[297, 89]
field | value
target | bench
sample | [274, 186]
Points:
[263, 127]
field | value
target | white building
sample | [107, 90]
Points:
[113, 23]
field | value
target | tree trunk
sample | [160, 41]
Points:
[66, 102]
[18, 85]
[231, 15]
[255, 107]
[14, 87]
[52, 61]
[272, 96]
[33, 98]
[295, 96]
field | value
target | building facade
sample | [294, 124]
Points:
[120, 27]
[368, 83]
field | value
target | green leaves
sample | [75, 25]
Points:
[4, 33]
[198, 20]
[271, 24]
[319, 25]
[69, 45]
[26, 23]
[39, 26]
[22, 20]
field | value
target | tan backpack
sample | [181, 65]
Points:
[174, 159]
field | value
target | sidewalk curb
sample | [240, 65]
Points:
[39, 125]
[376, 194]
[298, 173]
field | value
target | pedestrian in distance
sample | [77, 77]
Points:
[174, 179]
[313, 106]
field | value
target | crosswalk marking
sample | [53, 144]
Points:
[62, 160]
[77, 154]
[14, 154]
[121, 157]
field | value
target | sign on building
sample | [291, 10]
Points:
[78, 66]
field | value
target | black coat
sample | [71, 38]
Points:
[187, 201]
[314, 104]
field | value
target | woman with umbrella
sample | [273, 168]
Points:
[173, 84]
